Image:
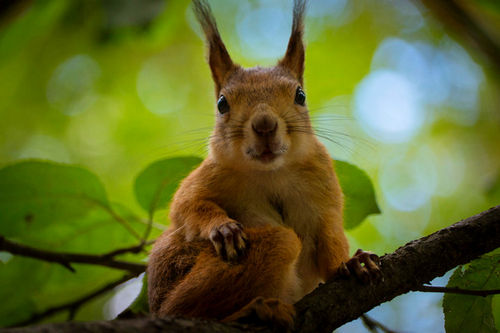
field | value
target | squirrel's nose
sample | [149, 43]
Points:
[264, 125]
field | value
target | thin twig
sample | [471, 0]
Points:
[149, 227]
[131, 249]
[455, 290]
[66, 259]
[73, 306]
[372, 325]
[119, 219]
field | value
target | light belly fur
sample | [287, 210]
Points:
[298, 216]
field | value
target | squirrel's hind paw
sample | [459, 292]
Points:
[365, 265]
[272, 312]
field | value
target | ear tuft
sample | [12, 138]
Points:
[219, 60]
[295, 53]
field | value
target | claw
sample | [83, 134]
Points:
[364, 265]
[229, 240]
[217, 240]
[343, 270]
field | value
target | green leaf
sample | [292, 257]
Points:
[54, 207]
[59, 206]
[359, 195]
[464, 313]
[33, 276]
[155, 185]
[36, 194]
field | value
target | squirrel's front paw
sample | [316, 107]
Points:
[229, 240]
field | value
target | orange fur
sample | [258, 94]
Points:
[290, 206]
[224, 286]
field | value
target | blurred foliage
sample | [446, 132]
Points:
[112, 86]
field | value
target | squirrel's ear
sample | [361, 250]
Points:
[295, 53]
[219, 60]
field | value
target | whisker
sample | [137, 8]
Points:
[323, 117]
[198, 130]
[347, 135]
[330, 106]
[332, 136]
[340, 145]
[199, 144]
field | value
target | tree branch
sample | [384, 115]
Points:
[66, 259]
[342, 300]
[407, 268]
[131, 249]
[454, 290]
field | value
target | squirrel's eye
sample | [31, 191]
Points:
[222, 104]
[300, 96]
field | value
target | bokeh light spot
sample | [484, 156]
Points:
[5, 257]
[71, 87]
[387, 106]
[44, 147]
[409, 15]
[464, 77]
[444, 76]
[158, 85]
[409, 180]
[263, 32]
[333, 9]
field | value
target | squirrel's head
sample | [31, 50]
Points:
[262, 121]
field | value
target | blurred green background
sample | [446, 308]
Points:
[114, 85]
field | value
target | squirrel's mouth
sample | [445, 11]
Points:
[266, 154]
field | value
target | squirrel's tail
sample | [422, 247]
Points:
[214, 288]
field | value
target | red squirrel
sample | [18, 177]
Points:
[258, 224]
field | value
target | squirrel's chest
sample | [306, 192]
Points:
[281, 203]
[294, 205]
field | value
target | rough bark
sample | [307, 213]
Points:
[342, 300]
